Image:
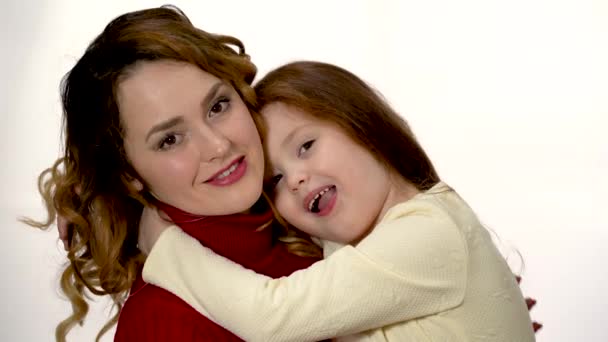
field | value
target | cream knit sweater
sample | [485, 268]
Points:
[427, 272]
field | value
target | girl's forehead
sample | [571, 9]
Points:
[279, 113]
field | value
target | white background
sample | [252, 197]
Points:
[510, 99]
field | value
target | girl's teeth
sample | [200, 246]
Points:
[227, 172]
[317, 196]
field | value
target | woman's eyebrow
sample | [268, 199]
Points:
[165, 125]
[212, 92]
[179, 119]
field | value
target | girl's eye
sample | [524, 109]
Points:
[305, 147]
[219, 107]
[273, 181]
[168, 142]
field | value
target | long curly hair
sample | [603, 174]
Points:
[89, 185]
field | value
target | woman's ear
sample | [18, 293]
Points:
[136, 184]
[132, 183]
[135, 188]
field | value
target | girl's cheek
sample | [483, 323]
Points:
[282, 206]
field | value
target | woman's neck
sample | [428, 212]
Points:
[236, 236]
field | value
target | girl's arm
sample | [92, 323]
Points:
[410, 267]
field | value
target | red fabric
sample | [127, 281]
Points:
[152, 314]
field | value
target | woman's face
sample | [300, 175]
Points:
[190, 138]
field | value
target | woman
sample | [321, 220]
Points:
[159, 112]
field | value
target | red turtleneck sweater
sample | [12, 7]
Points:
[153, 314]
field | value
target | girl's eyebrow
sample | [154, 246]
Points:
[290, 136]
[293, 133]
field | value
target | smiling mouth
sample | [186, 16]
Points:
[224, 174]
[321, 200]
[227, 172]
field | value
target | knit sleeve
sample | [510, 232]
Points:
[154, 315]
[410, 267]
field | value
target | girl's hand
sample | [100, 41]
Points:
[153, 222]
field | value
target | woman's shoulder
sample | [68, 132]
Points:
[150, 312]
[147, 300]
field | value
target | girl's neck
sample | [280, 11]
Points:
[400, 191]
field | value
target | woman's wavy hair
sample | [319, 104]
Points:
[90, 184]
[332, 94]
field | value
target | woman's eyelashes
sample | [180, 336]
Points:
[305, 147]
[219, 106]
[172, 139]
[168, 141]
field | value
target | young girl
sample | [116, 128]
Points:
[405, 258]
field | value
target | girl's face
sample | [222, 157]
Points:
[190, 138]
[324, 183]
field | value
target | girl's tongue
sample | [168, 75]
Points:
[325, 199]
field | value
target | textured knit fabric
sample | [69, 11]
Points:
[427, 272]
[153, 314]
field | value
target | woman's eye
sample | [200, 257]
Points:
[219, 107]
[168, 142]
[305, 147]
